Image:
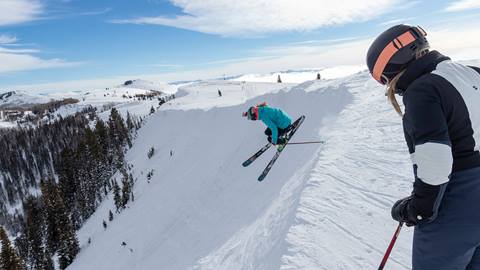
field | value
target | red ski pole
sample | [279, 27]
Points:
[390, 247]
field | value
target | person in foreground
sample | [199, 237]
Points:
[277, 121]
[442, 130]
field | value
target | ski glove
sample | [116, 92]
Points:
[279, 140]
[401, 212]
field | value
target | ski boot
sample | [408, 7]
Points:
[281, 143]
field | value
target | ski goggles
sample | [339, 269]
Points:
[400, 42]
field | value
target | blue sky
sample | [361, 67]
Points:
[72, 44]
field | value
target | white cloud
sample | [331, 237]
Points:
[463, 5]
[13, 60]
[96, 12]
[226, 17]
[19, 11]
[459, 43]
[7, 39]
[163, 66]
[397, 21]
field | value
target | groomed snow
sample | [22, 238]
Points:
[321, 207]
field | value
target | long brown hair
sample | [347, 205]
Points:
[392, 85]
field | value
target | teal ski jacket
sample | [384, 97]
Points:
[274, 119]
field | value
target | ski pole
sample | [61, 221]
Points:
[306, 142]
[390, 247]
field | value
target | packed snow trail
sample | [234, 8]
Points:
[323, 206]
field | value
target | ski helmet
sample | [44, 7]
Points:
[252, 113]
[394, 50]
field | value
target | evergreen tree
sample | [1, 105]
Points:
[119, 132]
[151, 152]
[130, 124]
[101, 132]
[83, 176]
[48, 262]
[152, 110]
[68, 247]
[110, 215]
[318, 76]
[104, 225]
[34, 232]
[107, 158]
[279, 80]
[49, 196]
[9, 259]
[68, 185]
[22, 245]
[94, 181]
[126, 188]
[116, 196]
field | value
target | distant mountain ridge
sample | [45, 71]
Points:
[20, 99]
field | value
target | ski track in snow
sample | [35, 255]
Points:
[321, 207]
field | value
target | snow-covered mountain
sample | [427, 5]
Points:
[322, 206]
[21, 98]
[126, 97]
[149, 85]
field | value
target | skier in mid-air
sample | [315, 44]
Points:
[277, 121]
[279, 130]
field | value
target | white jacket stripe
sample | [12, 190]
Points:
[434, 162]
[467, 83]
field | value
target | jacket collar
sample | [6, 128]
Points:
[418, 68]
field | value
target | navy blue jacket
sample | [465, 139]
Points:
[441, 126]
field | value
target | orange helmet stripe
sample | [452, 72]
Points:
[403, 40]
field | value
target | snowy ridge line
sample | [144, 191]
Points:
[343, 220]
[302, 75]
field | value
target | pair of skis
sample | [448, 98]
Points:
[249, 161]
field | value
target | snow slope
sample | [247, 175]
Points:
[21, 98]
[321, 207]
[149, 85]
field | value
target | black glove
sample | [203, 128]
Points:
[269, 139]
[401, 212]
